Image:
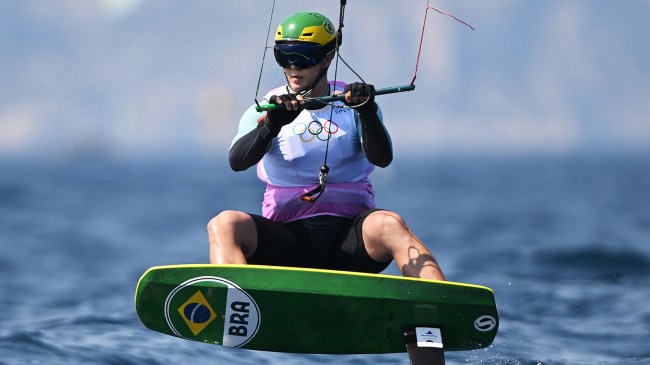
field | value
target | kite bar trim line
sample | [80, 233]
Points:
[315, 102]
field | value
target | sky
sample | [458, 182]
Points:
[136, 78]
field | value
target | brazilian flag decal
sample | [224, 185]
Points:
[212, 309]
[197, 313]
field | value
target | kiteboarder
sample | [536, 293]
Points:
[318, 218]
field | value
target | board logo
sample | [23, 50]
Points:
[485, 323]
[208, 308]
[428, 337]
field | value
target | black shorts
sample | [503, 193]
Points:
[324, 242]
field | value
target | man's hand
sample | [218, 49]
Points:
[277, 118]
[290, 101]
[360, 96]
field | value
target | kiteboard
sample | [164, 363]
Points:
[298, 310]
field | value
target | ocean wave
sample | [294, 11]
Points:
[595, 261]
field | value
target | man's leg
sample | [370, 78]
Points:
[232, 236]
[385, 235]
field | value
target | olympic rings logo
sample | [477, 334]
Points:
[315, 129]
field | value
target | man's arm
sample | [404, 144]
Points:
[375, 139]
[250, 144]
[257, 130]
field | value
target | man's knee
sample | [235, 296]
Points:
[383, 221]
[227, 219]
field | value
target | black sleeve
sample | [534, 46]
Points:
[250, 148]
[374, 138]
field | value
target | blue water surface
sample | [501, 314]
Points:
[563, 241]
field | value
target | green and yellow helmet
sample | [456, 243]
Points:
[309, 27]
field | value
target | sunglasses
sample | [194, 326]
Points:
[299, 54]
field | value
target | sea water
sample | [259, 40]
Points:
[564, 241]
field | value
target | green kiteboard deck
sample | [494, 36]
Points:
[296, 310]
